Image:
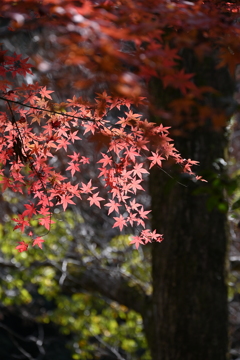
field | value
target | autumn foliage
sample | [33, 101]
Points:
[123, 44]
[32, 133]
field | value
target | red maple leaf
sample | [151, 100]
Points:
[106, 160]
[113, 206]
[156, 159]
[132, 218]
[74, 157]
[22, 247]
[31, 210]
[137, 240]
[120, 222]
[90, 126]
[73, 167]
[179, 80]
[95, 199]
[63, 143]
[134, 205]
[45, 93]
[46, 221]
[72, 136]
[139, 170]
[132, 153]
[21, 223]
[65, 200]
[143, 214]
[135, 185]
[85, 160]
[88, 188]
[73, 189]
[38, 241]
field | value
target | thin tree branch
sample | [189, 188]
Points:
[114, 351]
[46, 110]
[14, 335]
[108, 282]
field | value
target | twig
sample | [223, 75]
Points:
[114, 351]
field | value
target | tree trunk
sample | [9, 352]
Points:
[190, 320]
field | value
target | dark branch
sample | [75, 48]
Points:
[111, 283]
[48, 111]
[108, 282]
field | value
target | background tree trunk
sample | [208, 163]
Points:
[188, 268]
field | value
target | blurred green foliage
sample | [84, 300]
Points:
[94, 324]
[220, 186]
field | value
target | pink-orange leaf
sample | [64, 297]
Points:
[95, 200]
[22, 246]
[38, 241]
[119, 222]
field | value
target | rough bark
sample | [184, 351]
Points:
[189, 287]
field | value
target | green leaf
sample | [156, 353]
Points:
[236, 205]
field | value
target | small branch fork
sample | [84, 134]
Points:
[24, 157]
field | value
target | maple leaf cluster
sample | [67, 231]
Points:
[101, 28]
[122, 45]
[32, 133]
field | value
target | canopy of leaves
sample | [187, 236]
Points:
[34, 131]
